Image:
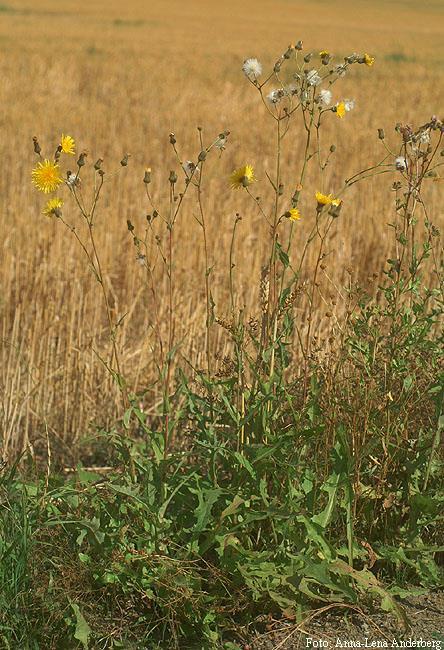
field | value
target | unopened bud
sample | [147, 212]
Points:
[307, 57]
[381, 134]
[81, 161]
[129, 225]
[173, 177]
[58, 151]
[98, 164]
[202, 156]
[299, 45]
[277, 66]
[37, 147]
[147, 176]
[172, 138]
[332, 148]
[125, 159]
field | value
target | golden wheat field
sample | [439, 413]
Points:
[119, 77]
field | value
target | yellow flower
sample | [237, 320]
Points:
[324, 53]
[293, 214]
[369, 60]
[323, 199]
[67, 143]
[327, 199]
[242, 177]
[340, 109]
[52, 206]
[46, 176]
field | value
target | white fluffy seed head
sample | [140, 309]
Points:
[252, 68]
[313, 78]
[325, 97]
[401, 163]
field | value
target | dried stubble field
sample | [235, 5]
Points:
[120, 77]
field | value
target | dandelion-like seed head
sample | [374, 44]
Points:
[46, 176]
[242, 177]
[369, 60]
[68, 145]
[252, 68]
[349, 104]
[313, 78]
[324, 97]
[53, 207]
[401, 163]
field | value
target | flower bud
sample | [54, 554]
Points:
[307, 57]
[124, 160]
[173, 177]
[147, 176]
[172, 138]
[98, 164]
[81, 161]
[299, 45]
[202, 156]
[381, 134]
[37, 147]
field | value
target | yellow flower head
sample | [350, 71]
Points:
[326, 199]
[293, 214]
[369, 60]
[324, 53]
[340, 109]
[46, 176]
[242, 177]
[52, 206]
[68, 145]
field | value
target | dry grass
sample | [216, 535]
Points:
[120, 80]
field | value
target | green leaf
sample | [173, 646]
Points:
[83, 630]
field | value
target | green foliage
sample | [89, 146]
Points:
[274, 503]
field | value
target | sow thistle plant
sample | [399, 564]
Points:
[314, 455]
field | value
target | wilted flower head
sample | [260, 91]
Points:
[190, 168]
[275, 96]
[72, 180]
[324, 97]
[53, 207]
[242, 177]
[340, 69]
[401, 163]
[252, 68]
[313, 78]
